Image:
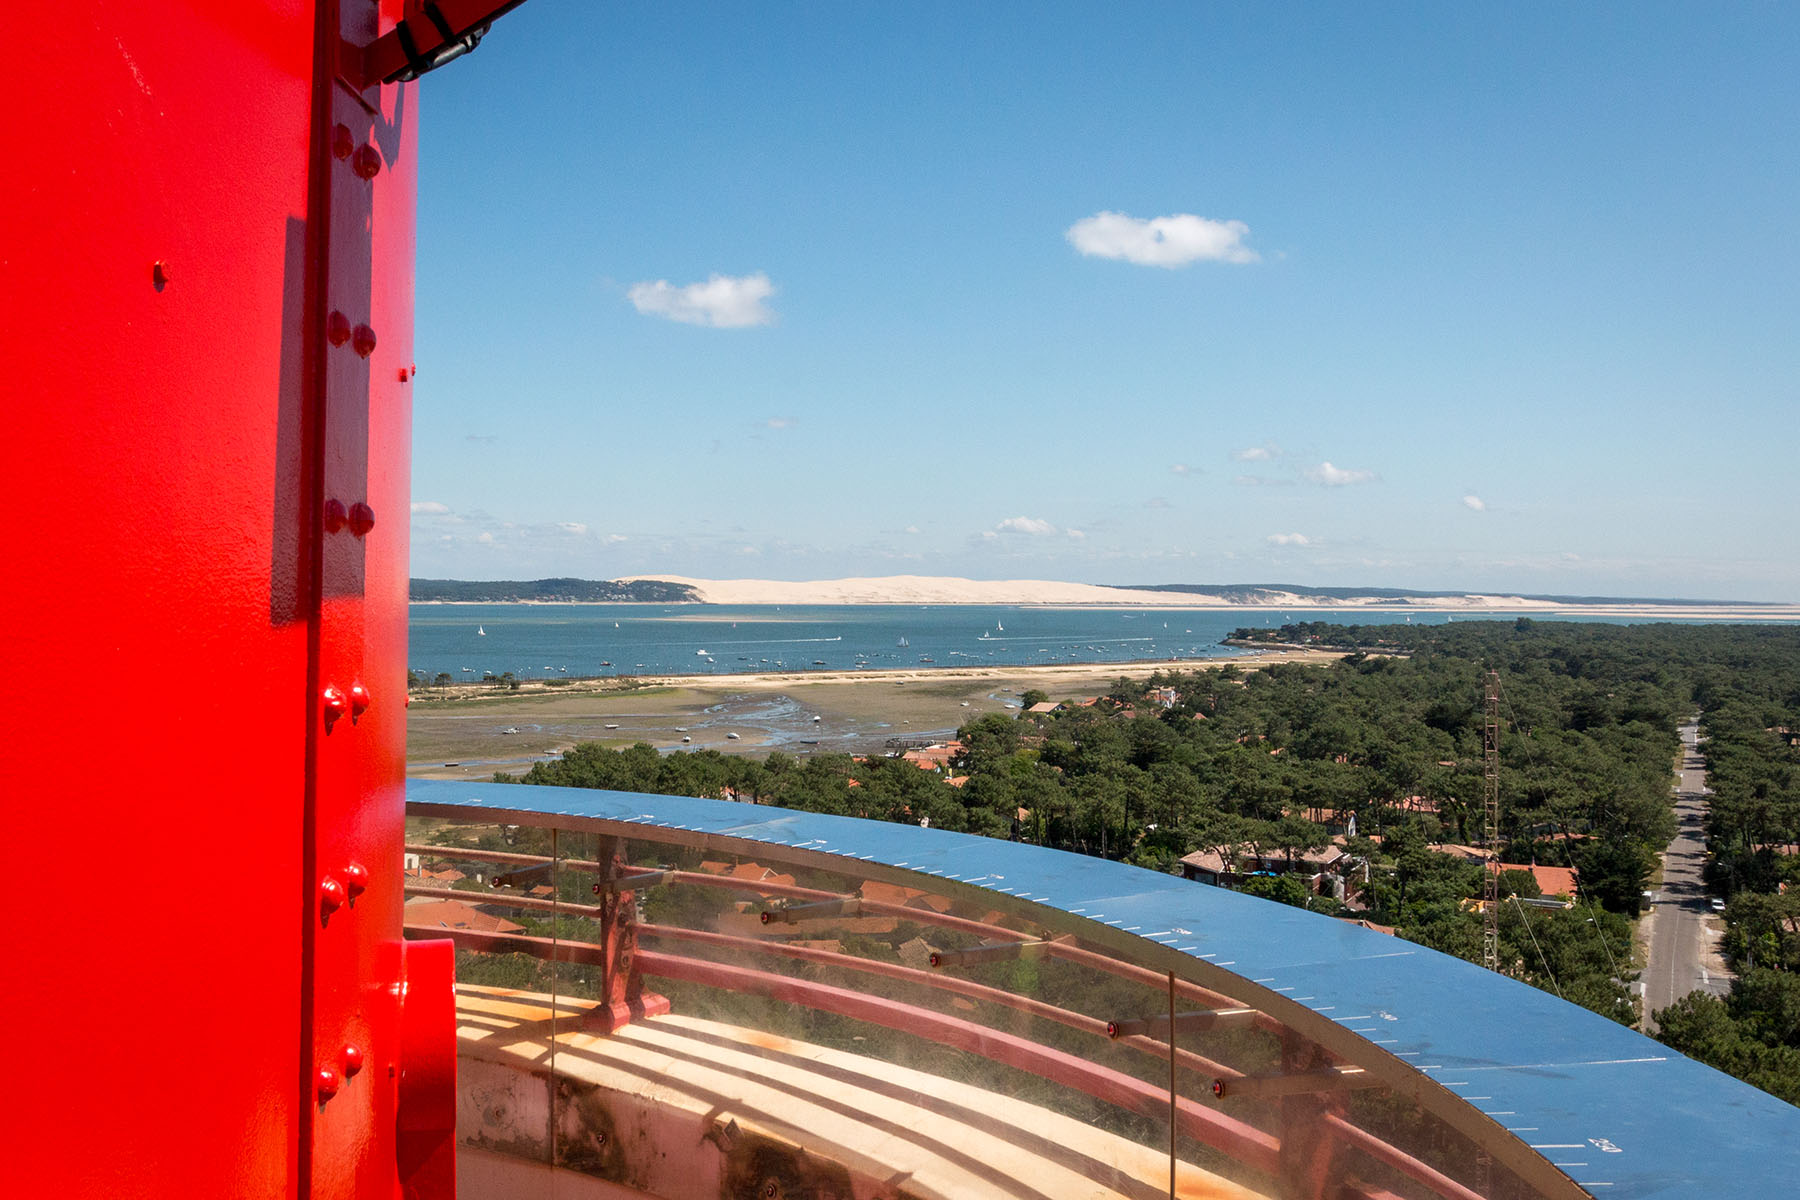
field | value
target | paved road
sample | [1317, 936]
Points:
[1683, 930]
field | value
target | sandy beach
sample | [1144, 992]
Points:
[459, 732]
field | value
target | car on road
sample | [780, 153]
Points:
[1718, 905]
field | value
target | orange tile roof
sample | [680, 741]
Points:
[454, 914]
[1551, 881]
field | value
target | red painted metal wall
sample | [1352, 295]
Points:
[206, 249]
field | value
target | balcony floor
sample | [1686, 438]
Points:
[679, 1107]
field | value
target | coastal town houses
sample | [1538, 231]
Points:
[1323, 870]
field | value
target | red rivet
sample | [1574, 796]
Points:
[356, 880]
[363, 341]
[337, 329]
[336, 516]
[367, 163]
[336, 705]
[159, 275]
[403, 375]
[362, 519]
[1218, 1088]
[359, 700]
[352, 1060]
[341, 142]
[329, 1082]
[331, 896]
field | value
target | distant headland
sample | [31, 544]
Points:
[924, 589]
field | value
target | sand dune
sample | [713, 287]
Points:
[935, 589]
[921, 589]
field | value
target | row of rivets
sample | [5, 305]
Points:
[338, 704]
[365, 159]
[331, 1078]
[334, 894]
[359, 518]
[338, 330]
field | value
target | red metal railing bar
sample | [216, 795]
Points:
[1398, 1159]
[924, 916]
[936, 980]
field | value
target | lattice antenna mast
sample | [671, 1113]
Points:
[1490, 889]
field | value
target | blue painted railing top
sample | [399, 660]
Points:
[1620, 1114]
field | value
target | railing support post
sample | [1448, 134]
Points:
[622, 994]
[1307, 1144]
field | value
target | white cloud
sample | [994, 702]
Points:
[613, 539]
[1329, 476]
[1075, 535]
[1183, 469]
[1157, 502]
[574, 527]
[1475, 502]
[1289, 539]
[911, 529]
[1030, 525]
[1172, 241]
[485, 537]
[1260, 481]
[429, 508]
[1263, 453]
[781, 422]
[722, 302]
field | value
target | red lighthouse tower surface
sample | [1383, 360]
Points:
[206, 250]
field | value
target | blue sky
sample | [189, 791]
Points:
[1434, 296]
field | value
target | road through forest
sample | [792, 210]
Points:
[1682, 931]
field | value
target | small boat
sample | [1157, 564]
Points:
[510, 729]
[681, 729]
[818, 662]
[702, 654]
[815, 720]
[606, 662]
[926, 658]
[732, 736]
[903, 643]
[480, 632]
[687, 739]
[612, 726]
[1000, 626]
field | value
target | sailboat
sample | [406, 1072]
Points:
[480, 632]
[903, 643]
[1000, 626]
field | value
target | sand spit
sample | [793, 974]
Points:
[929, 589]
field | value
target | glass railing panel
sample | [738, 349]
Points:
[822, 987]
[474, 883]
[820, 1025]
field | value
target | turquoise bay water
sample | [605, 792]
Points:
[536, 641]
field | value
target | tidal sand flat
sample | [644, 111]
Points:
[857, 711]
